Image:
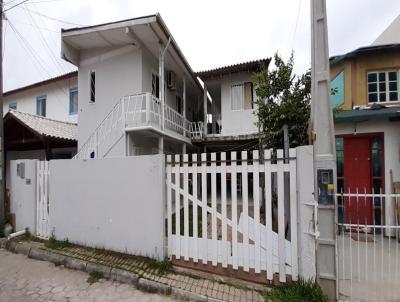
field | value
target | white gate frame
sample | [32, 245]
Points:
[42, 200]
[257, 250]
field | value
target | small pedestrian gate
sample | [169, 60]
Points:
[368, 252]
[42, 200]
[234, 210]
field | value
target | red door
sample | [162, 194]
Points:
[357, 175]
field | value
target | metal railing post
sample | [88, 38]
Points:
[148, 96]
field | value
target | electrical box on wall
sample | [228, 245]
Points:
[326, 187]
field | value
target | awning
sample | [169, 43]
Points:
[362, 115]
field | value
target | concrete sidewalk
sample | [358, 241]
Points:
[139, 272]
[23, 279]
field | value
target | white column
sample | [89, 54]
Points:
[205, 109]
[161, 86]
[160, 145]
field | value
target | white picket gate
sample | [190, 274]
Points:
[42, 200]
[217, 199]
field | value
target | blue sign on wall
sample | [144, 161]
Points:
[337, 84]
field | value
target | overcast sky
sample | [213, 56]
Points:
[210, 33]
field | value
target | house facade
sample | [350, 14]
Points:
[55, 98]
[140, 96]
[367, 127]
[231, 121]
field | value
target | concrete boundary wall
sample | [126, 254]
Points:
[112, 203]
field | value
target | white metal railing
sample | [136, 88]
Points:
[134, 111]
[368, 243]
[196, 130]
[228, 228]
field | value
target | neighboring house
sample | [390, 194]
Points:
[367, 128]
[138, 94]
[40, 120]
[55, 98]
[230, 115]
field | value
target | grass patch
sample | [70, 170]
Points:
[55, 244]
[161, 267]
[182, 222]
[94, 277]
[302, 290]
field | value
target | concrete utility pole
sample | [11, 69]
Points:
[2, 204]
[324, 152]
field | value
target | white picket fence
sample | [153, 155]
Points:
[236, 230]
[42, 200]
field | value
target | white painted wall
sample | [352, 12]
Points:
[118, 73]
[112, 203]
[57, 104]
[391, 132]
[13, 155]
[23, 195]
[235, 122]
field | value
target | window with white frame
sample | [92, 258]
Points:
[242, 96]
[383, 86]
[41, 105]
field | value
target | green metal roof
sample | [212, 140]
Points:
[362, 115]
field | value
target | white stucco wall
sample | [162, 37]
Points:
[57, 100]
[113, 203]
[391, 132]
[23, 195]
[13, 155]
[235, 122]
[118, 73]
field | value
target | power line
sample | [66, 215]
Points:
[297, 21]
[51, 18]
[43, 28]
[45, 44]
[29, 49]
[22, 2]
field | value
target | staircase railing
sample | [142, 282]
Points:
[134, 111]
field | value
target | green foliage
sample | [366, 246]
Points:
[162, 267]
[94, 277]
[300, 291]
[283, 98]
[28, 235]
[55, 244]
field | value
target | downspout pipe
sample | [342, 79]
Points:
[162, 86]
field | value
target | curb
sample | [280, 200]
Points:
[109, 273]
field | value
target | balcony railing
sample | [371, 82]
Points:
[131, 113]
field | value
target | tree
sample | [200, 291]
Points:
[283, 98]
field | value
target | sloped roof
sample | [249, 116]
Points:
[46, 127]
[245, 66]
[62, 77]
[364, 51]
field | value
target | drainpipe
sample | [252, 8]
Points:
[162, 84]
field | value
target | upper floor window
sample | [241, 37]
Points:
[92, 87]
[383, 86]
[73, 100]
[242, 96]
[41, 105]
[155, 85]
[12, 106]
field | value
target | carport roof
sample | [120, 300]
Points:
[44, 126]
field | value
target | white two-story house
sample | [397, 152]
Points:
[138, 94]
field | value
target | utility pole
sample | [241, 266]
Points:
[324, 152]
[2, 195]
